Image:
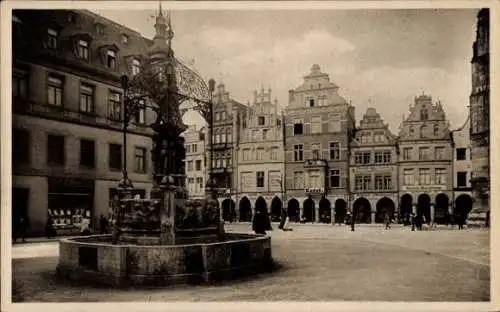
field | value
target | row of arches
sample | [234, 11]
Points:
[361, 209]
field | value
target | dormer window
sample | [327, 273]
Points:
[83, 49]
[436, 129]
[124, 39]
[111, 59]
[424, 115]
[136, 67]
[99, 28]
[52, 36]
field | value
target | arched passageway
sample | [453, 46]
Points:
[441, 209]
[463, 205]
[245, 210]
[261, 205]
[424, 207]
[276, 206]
[325, 211]
[228, 210]
[340, 210]
[309, 208]
[405, 208]
[384, 206]
[362, 210]
[293, 209]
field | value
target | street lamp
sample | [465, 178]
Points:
[125, 184]
[210, 183]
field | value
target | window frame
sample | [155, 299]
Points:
[260, 177]
[55, 88]
[114, 147]
[87, 94]
[84, 152]
[143, 160]
[51, 151]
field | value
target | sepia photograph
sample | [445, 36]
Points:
[286, 152]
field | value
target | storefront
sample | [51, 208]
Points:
[69, 202]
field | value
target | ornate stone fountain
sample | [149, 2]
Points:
[164, 239]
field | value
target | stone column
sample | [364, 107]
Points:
[414, 209]
[373, 216]
[433, 212]
[332, 213]
[167, 213]
[301, 213]
[316, 213]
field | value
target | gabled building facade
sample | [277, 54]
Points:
[425, 162]
[260, 160]
[318, 125]
[195, 162]
[373, 170]
[227, 114]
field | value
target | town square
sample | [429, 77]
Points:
[164, 155]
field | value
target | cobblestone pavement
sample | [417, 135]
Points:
[317, 262]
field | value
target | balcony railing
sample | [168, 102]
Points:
[315, 191]
[315, 163]
[219, 146]
[64, 114]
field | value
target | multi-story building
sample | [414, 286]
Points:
[196, 174]
[462, 170]
[226, 119]
[425, 162]
[318, 125]
[373, 169]
[66, 100]
[479, 117]
[260, 159]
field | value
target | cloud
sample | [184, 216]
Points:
[392, 90]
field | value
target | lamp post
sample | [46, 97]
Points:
[125, 184]
[210, 183]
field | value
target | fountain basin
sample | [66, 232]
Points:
[198, 259]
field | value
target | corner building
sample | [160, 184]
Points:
[373, 170]
[480, 118]
[260, 160]
[66, 128]
[318, 125]
[425, 162]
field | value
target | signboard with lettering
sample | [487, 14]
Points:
[424, 188]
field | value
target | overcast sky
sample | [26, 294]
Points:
[385, 58]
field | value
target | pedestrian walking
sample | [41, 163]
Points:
[460, 221]
[284, 215]
[259, 223]
[103, 225]
[412, 221]
[50, 231]
[24, 224]
[387, 221]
